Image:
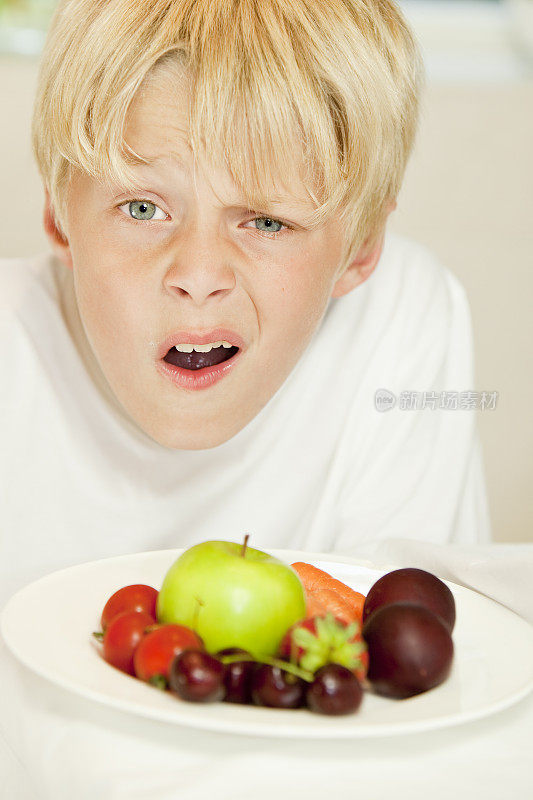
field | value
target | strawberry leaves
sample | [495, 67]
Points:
[328, 641]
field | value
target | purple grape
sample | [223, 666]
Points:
[197, 676]
[335, 690]
[277, 688]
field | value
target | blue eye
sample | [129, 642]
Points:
[143, 210]
[269, 224]
[271, 227]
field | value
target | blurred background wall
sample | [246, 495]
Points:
[467, 195]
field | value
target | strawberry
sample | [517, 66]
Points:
[325, 639]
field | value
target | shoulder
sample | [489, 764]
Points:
[412, 311]
[416, 275]
[22, 280]
[424, 279]
[429, 322]
[414, 291]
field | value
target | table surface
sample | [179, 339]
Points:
[77, 749]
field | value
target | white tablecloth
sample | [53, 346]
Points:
[62, 746]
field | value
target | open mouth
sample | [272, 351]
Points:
[199, 360]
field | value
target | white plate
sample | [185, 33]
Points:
[48, 627]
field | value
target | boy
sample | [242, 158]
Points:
[201, 354]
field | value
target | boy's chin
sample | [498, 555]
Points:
[196, 437]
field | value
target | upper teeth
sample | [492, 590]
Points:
[200, 348]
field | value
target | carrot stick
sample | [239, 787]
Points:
[325, 591]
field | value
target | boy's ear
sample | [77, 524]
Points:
[56, 238]
[364, 263]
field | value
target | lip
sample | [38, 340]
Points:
[199, 378]
[215, 335]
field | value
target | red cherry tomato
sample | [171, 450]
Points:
[137, 597]
[158, 648]
[122, 636]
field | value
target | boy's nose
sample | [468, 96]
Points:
[199, 270]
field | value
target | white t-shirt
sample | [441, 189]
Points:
[320, 468]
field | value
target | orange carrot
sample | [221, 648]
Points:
[310, 576]
[326, 593]
[327, 599]
[354, 599]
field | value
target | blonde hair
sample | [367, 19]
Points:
[340, 78]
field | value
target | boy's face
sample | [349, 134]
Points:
[189, 260]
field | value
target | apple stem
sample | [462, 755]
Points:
[245, 543]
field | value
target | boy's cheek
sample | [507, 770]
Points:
[112, 316]
[302, 300]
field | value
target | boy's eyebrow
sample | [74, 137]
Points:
[152, 162]
[149, 161]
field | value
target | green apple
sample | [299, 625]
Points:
[232, 596]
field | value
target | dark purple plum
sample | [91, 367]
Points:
[277, 688]
[197, 676]
[412, 585]
[410, 650]
[335, 690]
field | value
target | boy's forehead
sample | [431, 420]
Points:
[157, 124]
[157, 130]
